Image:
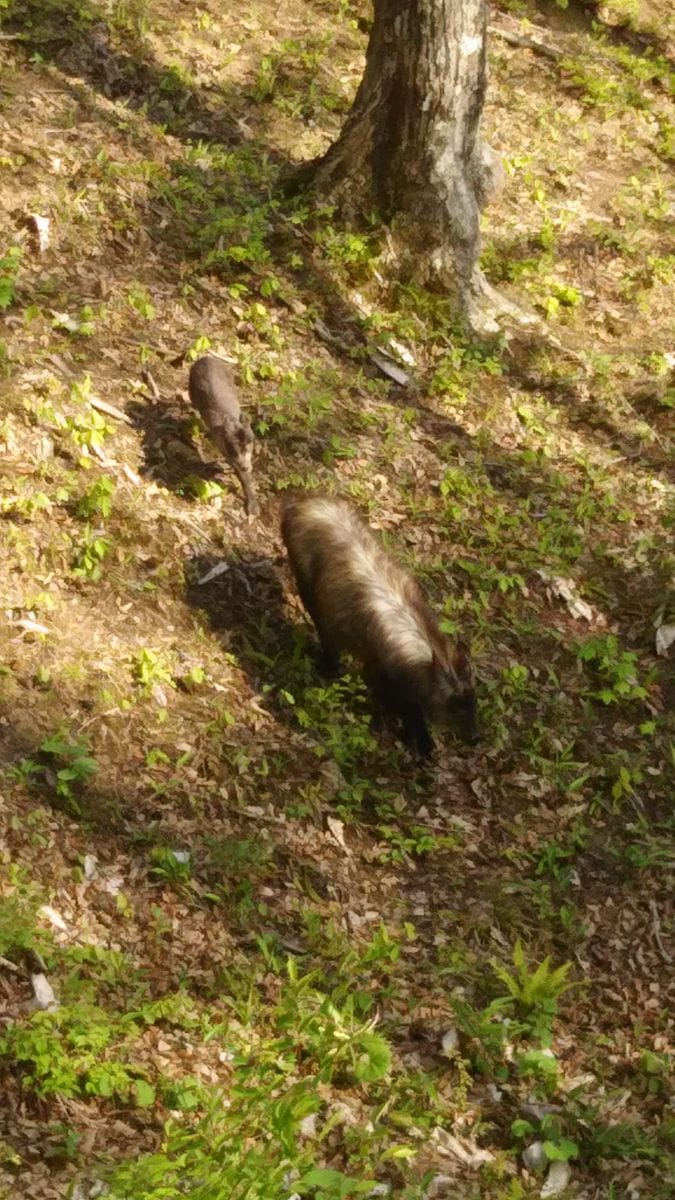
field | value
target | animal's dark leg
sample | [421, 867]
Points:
[329, 659]
[392, 692]
[416, 733]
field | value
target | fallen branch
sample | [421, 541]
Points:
[149, 381]
[111, 463]
[526, 43]
[656, 930]
[6, 962]
[109, 409]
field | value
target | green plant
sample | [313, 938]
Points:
[201, 345]
[246, 1147]
[150, 668]
[236, 862]
[485, 1035]
[330, 1027]
[82, 324]
[73, 1052]
[97, 500]
[201, 489]
[557, 1146]
[9, 269]
[535, 992]
[172, 866]
[616, 668]
[73, 765]
[344, 731]
[89, 557]
[561, 295]
[414, 843]
[87, 427]
[30, 505]
[249, 1147]
[62, 1142]
[338, 448]
[19, 929]
[139, 300]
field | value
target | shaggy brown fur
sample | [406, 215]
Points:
[364, 604]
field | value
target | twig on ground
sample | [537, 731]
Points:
[6, 962]
[526, 43]
[656, 930]
[109, 409]
[148, 379]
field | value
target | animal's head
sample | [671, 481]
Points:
[457, 689]
[241, 452]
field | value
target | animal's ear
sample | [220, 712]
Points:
[244, 436]
[461, 662]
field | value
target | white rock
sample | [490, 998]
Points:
[31, 626]
[388, 367]
[450, 1042]
[440, 1186]
[559, 1175]
[308, 1126]
[402, 351]
[90, 866]
[113, 885]
[53, 917]
[337, 830]
[665, 636]
[44, 993]
[534, 1157]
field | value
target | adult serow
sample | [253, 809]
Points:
[364, 604]
[214, 394]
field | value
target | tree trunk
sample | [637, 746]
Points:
[409, 148]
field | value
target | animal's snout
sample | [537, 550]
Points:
[468, 721]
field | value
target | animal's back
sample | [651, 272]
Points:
[213, 391]
[375, 609]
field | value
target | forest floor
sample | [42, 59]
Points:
[288, 961]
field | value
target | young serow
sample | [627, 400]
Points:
[364, 604]
[214, 395]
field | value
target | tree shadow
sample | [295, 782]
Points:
[120, 829]
[584, 15]
[79, 40]
[573, 397]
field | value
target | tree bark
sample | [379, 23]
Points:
[409, 148]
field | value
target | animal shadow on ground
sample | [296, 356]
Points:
[245, 608]
[168, 453]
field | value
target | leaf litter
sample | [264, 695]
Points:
[466, 469]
